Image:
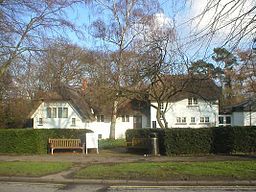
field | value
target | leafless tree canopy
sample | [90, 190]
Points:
[26, 24]
[235, 20]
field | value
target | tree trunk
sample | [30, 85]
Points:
[113, 121]
[158, 117]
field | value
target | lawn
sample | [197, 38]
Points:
[228, 170]
[32, 168]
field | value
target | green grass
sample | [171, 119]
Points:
[32, 168]
[228, 170]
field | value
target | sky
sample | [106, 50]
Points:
[178, 13]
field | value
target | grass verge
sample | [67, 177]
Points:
[228, 170]
[32, 168]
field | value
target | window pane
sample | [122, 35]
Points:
[161, 105]
[193, 119]
[221, 120]
[49, 111]
[54, 112]
[40, 121]
[65, 112]
[127, 118]
[189, 101]
[228, 120]
[201, 119]
[207, 120]
[73, 121]
[102, 118]
[195, 101]
[178, 119]
[154, 124]
[123, 118]
[59, 112]
[184, 120]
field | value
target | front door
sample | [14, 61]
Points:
[137, 122]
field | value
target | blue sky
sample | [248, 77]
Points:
[178, 11]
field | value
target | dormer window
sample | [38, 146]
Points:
[192, 101]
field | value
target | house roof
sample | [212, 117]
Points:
[244, 106]
[64, 93]
[133, 107]
[175, 88]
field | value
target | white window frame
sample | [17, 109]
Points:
[183, 120]
[127, 118]
[100, 118]
[54, 112]
[73, 122]
[193, 120]
[205, 119]
[60, 112]
[178, 119]
[49, 112]
[65, 112]
[192, 101]
[40, 121]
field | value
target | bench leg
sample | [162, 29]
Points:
[83, 149]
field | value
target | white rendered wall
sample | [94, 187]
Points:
[181, 109]
[244, 118]
[103, 128]
[41, 112]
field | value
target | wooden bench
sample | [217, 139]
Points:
[139, 143]
[65, 144]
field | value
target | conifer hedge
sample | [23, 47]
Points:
[201, 141]
[34, 141]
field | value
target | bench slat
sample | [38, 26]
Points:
[65, 144]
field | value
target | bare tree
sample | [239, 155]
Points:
[26, 25]
[61, 63]
[126, 23]
[232, 21]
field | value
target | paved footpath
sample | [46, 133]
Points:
[83, 160]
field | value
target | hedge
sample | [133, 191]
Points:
[201, 141]
[34, 141]
[145, 133]
[187, 141]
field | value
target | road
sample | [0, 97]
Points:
[49, 187]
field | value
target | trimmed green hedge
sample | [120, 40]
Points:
[145, 133]
[201, 141]
[34, 141]
[187, 141]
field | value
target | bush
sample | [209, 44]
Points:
[145, 133]
[244, 139]
[34, 141]
[201, 141]
[188, 141]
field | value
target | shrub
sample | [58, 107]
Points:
[201, 141]
[34, 141]
[244, 139]
[145, 133]
[188, 141]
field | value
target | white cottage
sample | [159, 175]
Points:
[62, 108]
[66, 108]
[192, 104]
[241, 114]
